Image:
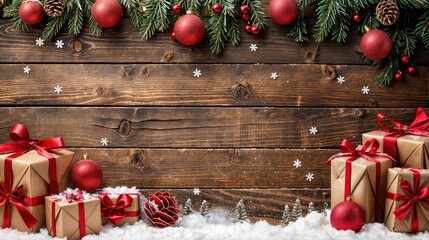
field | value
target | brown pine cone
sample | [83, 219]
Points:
[54, 8]
[387, 12]
[161, 209]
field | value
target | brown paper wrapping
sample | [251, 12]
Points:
[67, 218]
[412, 151]
[135, 206]
[32, 171]
[394, 178]
[363, 184]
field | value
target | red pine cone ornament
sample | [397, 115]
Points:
[161, 209]
[31, 12]
[189, 29]
[347, 215]
[106, 13]
[283, 12]
[375, 44]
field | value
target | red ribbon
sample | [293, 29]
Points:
[115, 212]
[418, 128]
[413, 196]
[368, 151]
[82, 223]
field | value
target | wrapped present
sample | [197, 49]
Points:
[72, 214]
[408, 144]
[360, 174]
[407, 200]
[120, 209]
[30, 170]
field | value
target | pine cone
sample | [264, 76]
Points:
[2, 3]
[387, 12]
[161, 209]
[54, 8]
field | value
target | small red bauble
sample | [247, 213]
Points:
[405, 59]
[161, 209]
[283, 12]
[357, 18]
[244, 9]
[398, 75]
[177, 8]
[347, 215]
[173, 36]
[255, 30]
[106, 13]
[411, 69]
[375, 44]
[31, 12]
[189, 29]
[86, 175]
[248, 28]
[245, 17]
[217, 8]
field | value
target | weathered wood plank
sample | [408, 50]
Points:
[198, 127]
[219, 85]
[211, 168]
[123, 44]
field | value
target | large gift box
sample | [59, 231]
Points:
[120, 209]
[360, 174]
[408, 144]
[407, 201]
[30, 170]
[72, 215]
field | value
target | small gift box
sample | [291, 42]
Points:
[30, 170]
[72, 214]
[360, 174]
[120, 205]
[407, 200]
[408, 144]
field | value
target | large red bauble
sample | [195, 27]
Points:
[86, 175]
[189, 29]
[375, 44]
[31, 12]
[283, 12]
[106, 13]
[347, 215]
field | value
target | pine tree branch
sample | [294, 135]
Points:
[298, 29]
[75, 10]
[256, 12]
[53, 27]
[422, 29]
[156, 18]
[96, 30]
[11, 11]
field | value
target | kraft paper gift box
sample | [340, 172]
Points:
[404, 184]
[120, 209]
[363, 187]
[74, 219]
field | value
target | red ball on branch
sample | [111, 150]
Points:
[248, 28]
[217, 8]
[244, 9]
[245, 17]
[398, 75]
[405, 59]
[347, 215]
[173, 36]
[357, 18]
[375, 44]
[176, 8]
[161, 209]
[189, 29]
[411, 70]
[31, 12]
[283, 12]
[106, 13]
[86, 174]
[255, 30]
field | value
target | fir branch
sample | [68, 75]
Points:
[387, 74]
[96, 30]
[156, 18]
[11, 11]
[327, 16]
[135, 11]
[216, 29]
[413, 4]
[75, 10]
[195, 6]
[53, 27]
[256, 12]
[422, 29]
[369, 19]
[298, 29]
[234, 31]
[340, 31]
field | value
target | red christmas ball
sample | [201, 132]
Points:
[217, 8]
[283, 12]
[245, 17]
[106, 13]
[189, 29]
[244, 9]
[31, 12]
[411, 69]
[255, 30]
[357, 18]
[248, 28]
[375, 44]
[177, 8]
[173, 36]
[405, 59]
[398, 75]
[347, 215]
[86, 175]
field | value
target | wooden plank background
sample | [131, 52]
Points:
[233, 132]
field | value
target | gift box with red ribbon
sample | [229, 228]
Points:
[408, 144]
[360, 174]
[120, 209]
[407, 200]
[72, 214]
[30, 170]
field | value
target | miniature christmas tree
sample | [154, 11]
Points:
[286, 216]
[325, 208]
[310, 208]
[240, 213]
[297, 210]
[204, 210]
[188, 207]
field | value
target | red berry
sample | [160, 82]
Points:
[217, 8]
[357, 18]
[248, 28]
[177, 8]
[411, 69]
[405, 59]
[173, 36]
[255, 30]
[398, 76]
[245, 17]
[244, 9]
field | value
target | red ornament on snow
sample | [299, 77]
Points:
[398, 75]
[255, 30]
[244, 9]
[189, 29]
[106, 13]
[177, 8]
[375, 44]
[31, 12]
[357, 18]
[245, 17]
[217, 8]
[283, 12]
[411, 70]
[405, 59]
[347, 215]
[161, 209]
[86, 175]
[248, 28]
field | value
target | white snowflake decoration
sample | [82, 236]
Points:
[309, 177]
[196, 191]
[104, 141]
[58, 89]
[341, 79]
[27, 69]
[274, 75]
[253, 47]
[40, 42]
[365, 89]
[313, 130]
[59, 44]
[197, 73]
[297, 163]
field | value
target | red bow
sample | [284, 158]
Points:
[15, 197]
[115, 212]
[412, 197]
[22, 144]
[74, 196]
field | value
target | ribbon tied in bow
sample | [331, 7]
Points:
[115, 212]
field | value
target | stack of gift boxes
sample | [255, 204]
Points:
[34, 193]
[387, 176]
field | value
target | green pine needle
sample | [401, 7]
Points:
[11, 11]
[298, 29]
[75, 20]
[156, 18]
[256, 12]
[53, 27]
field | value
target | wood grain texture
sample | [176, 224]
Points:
[219, 85]
[199, 127]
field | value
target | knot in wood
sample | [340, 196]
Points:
[127, 71]
[140, 160]
[242, 90]
[329, 72]
[359, 113]
[310, 56]
[372, 102]
[102, 91]
[168, 55]
[124, 127]
[77, 46]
